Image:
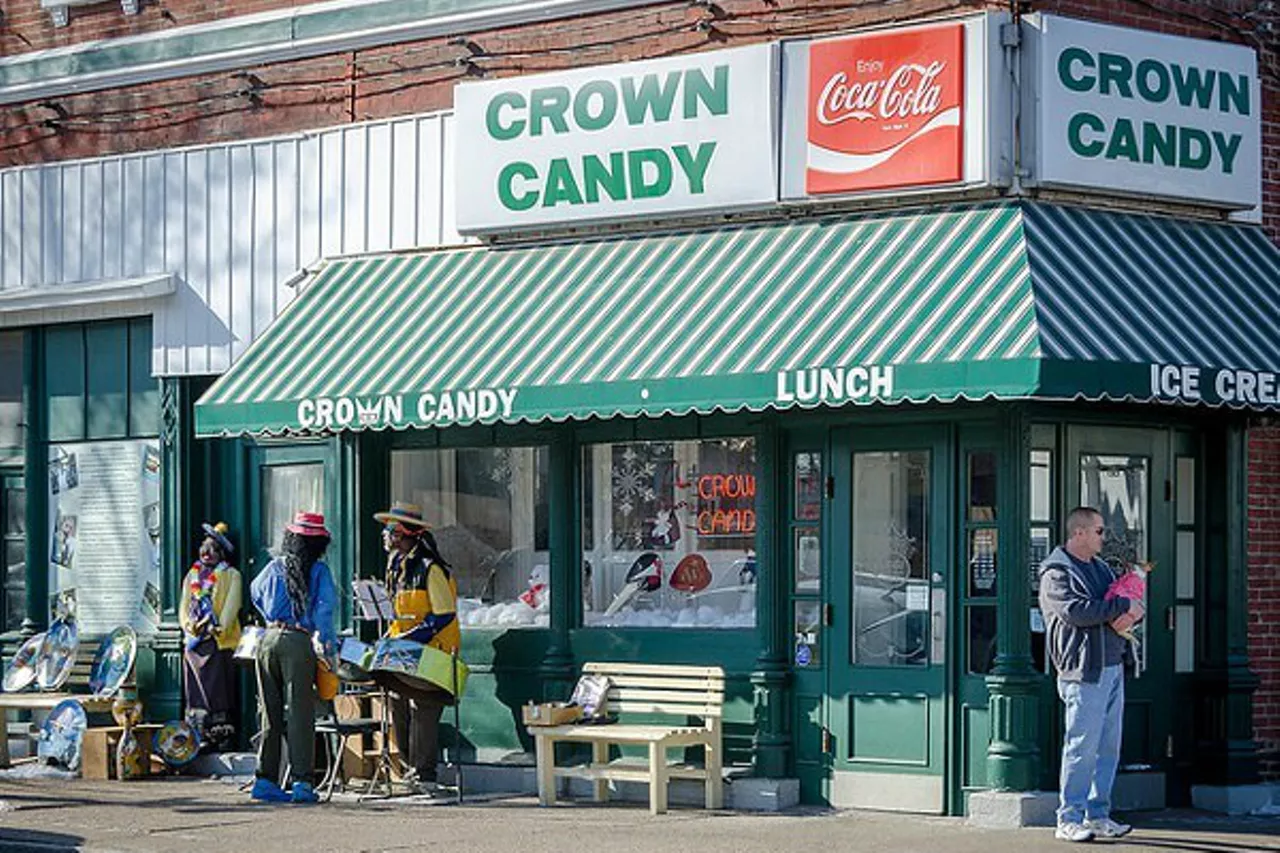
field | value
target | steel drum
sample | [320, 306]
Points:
[420, 665]
[22, 669]
[113, 662]
[354, 660]
[247, 649]
[57, 654]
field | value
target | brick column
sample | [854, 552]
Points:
[1263, 560]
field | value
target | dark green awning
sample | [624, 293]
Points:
[1006, 301]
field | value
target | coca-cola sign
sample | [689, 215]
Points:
[886, 110]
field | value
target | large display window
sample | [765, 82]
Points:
[487, 508]
[669, 533]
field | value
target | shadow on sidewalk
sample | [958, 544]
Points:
[35, 841]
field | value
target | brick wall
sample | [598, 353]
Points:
[1264, 589]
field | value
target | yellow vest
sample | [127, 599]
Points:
[227, 595]
[434, 595]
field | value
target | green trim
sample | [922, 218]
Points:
[313, 30]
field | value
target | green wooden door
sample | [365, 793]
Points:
[1130, 476]
[888, 586]
[282, 481]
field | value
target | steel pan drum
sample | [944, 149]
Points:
[354, 660]
[415, 662]
[247, 649]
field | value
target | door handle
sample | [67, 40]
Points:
[1170, 618]
[828, 615]
[826, 741]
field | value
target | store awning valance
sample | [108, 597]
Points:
[1006, 301]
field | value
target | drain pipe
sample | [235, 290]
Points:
[1011, 41]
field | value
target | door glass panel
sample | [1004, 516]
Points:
[1184, 649]
[1186, 568]
[1186, 485]
[982, 563]
[808, 560]
[982, 486]
[808, 486]
[981, 639]
[808, 649]
[286, 490]
[1118, 487]
[891, 598]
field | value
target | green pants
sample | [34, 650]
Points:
[286, 668]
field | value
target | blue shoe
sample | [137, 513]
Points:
[304, 793]
[266, 791]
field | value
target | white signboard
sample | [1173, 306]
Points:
[1141, 113]
[661, 137]
[104, 534]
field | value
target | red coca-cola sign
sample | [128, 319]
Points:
[886, 110]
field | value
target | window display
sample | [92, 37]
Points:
[487, 508]
[669, 534]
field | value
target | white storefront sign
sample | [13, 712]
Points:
[1141, 113]
[662, 137]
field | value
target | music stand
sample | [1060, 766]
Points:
[373, 604]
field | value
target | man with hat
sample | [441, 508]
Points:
[425, 596]
[209, 613]
[297, 598]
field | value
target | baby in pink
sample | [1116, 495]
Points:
[1133, 586]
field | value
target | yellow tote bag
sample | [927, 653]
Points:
[436, 666]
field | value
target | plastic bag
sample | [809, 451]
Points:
[591, 694]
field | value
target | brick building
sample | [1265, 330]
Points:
[140, 144]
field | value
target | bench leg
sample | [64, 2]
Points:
[657, 778]
[715, 777]
[599, 758]
[4, 738]
[546, 755]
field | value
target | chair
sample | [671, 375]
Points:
[336, 730]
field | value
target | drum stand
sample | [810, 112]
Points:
[382, 770]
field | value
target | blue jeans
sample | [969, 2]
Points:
[1090, 745]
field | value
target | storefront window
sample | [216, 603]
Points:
[487, 508]
[672, 534]
[12, 417]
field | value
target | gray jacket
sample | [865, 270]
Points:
[1076, 617]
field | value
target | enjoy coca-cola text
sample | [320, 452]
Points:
[911, 90]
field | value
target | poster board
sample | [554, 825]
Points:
[104, 533]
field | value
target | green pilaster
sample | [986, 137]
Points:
[557, 671]
[35, 480]
[1013, 756]
[771, 744]
[1239, 750]
[164, 700]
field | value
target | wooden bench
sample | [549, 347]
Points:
[673, 692]
[75, 687]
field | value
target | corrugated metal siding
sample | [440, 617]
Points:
[233, 222]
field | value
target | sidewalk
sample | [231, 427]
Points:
[185, 815]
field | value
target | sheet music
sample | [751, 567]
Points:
[373, 600]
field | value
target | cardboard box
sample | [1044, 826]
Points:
[551, 714]
[98, 749]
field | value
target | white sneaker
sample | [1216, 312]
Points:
[1107, 828]
[1073, 832]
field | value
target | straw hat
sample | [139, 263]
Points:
[406, 514]
[308, 524]
[218, 533]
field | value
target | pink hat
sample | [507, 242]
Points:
[308, 524]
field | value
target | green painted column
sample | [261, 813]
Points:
[1239, 760]
[161, 684]
[557, 671]
[36, 483]
[771, 743]
[1013, 754]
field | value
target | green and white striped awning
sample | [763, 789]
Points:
[1007, 301]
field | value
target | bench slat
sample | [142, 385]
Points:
[660, 670]
[675, 709]
[679, 696]
[633, 771]
[635, 682]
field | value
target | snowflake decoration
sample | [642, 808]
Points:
[501, 470]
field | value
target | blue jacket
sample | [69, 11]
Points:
[270, 595]
[1076, 616]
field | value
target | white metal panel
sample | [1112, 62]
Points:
[233, 222]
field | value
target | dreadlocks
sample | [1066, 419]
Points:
[299, 553]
